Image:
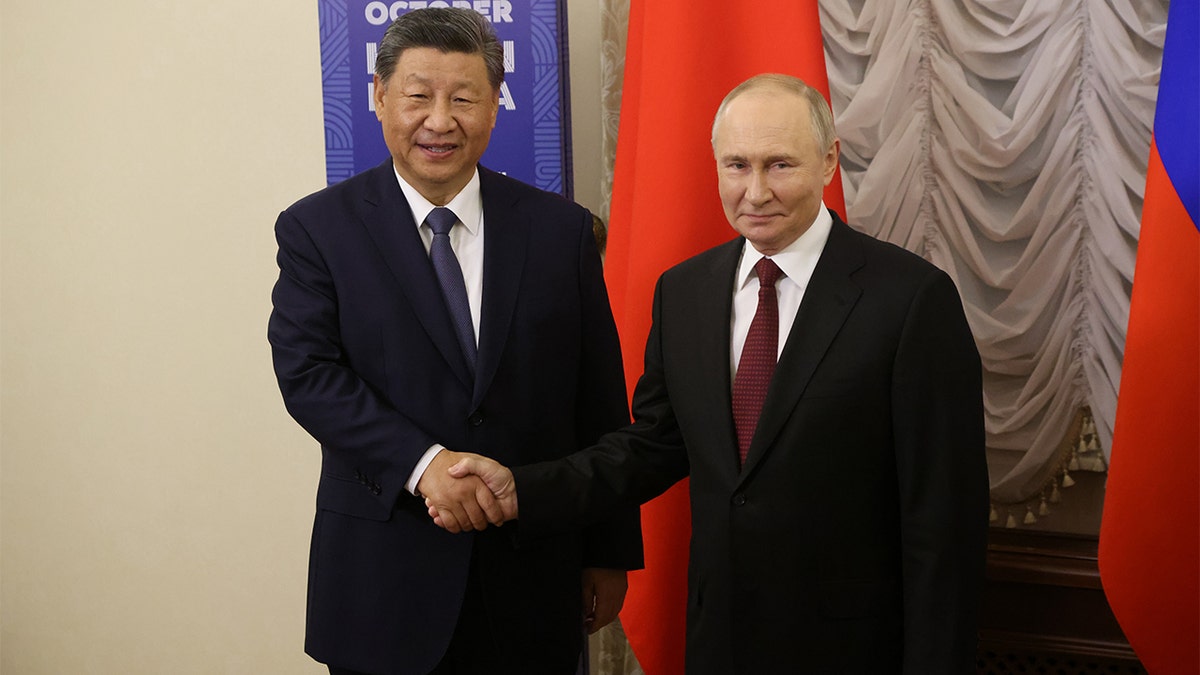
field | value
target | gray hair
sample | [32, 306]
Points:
[447, 30]
[819, 116]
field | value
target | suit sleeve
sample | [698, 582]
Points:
[320, 387]
[626, 467]
[938, 421]
[615, 542]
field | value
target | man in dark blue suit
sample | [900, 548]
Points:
[397, 344]
[823, 392]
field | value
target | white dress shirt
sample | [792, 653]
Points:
[797, 260]
[467, 242]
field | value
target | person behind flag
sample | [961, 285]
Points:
[832, 427]
[430, 305]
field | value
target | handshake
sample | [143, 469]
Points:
[465, 492]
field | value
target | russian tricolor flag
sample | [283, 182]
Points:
[1150, 533]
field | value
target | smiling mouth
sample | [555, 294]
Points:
[438, 149]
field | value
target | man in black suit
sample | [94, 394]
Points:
[396, 343]
[832, 426]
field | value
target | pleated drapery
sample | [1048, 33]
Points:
[1007, 142]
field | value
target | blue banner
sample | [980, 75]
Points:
[532, 140]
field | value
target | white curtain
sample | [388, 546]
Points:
[1007, 142]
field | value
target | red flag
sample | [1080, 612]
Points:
[682, 57]
[1150, 531]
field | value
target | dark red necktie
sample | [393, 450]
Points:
[759, 354]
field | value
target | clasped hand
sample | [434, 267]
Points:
[464, 491]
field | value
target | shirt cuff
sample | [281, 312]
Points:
[419, 469]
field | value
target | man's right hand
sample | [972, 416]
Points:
[462, 503]
[487, 475]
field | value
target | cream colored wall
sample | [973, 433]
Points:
[155, 498]
[584, 41]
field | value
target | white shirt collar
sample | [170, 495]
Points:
[797, 259]
[467, 204]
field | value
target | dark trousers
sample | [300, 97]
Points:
[473, 649]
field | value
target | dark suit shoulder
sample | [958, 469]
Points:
[879, 251]
[720, 257]
[346, 196]
[882, 268]
[518, 194]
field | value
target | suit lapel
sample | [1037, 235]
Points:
[506, 240]
[828, 301]
[709, 337]
[388, 219]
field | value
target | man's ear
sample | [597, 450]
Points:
[831, 160]
[377, 92]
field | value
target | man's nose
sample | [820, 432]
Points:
[758, 191]
[440, 118]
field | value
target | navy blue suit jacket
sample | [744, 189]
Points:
[368, 364]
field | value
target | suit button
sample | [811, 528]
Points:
[739, 499]
[475, 419]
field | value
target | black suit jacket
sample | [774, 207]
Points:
[853, 539]
[368, 364]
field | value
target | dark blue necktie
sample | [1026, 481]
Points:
[450, 278]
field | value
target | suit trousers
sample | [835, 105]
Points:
[472, 649]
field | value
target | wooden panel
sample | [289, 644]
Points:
[1043, 609]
